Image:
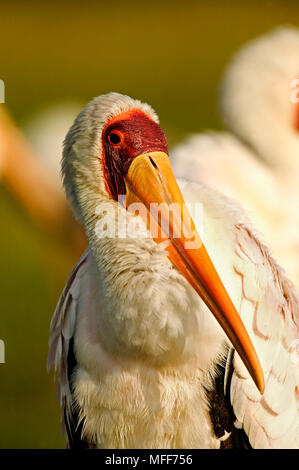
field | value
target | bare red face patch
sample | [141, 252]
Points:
[124, 138]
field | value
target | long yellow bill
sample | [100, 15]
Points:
[151, 182]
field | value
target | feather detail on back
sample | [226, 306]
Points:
[269, 310]
[61, 355]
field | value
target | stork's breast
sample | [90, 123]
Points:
[145, 408]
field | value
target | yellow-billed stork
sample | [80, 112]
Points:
[141, 360]
[257, 163]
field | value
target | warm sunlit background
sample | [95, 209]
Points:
[54, 57]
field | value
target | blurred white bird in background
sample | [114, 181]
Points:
[257, 163]
[32, 178]
[46, 131]
[257, 98]
[22, 172]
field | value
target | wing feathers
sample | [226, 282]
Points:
[269, 309]
[62, 331]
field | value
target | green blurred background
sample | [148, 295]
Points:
[169, 54]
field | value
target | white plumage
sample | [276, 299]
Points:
[135, 346]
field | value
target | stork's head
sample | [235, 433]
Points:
[101, 143]
[116, 147]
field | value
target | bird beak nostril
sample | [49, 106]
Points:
[153, 163]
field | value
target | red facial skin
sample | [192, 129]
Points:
[138, 134]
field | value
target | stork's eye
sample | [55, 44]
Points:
[115, 137]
